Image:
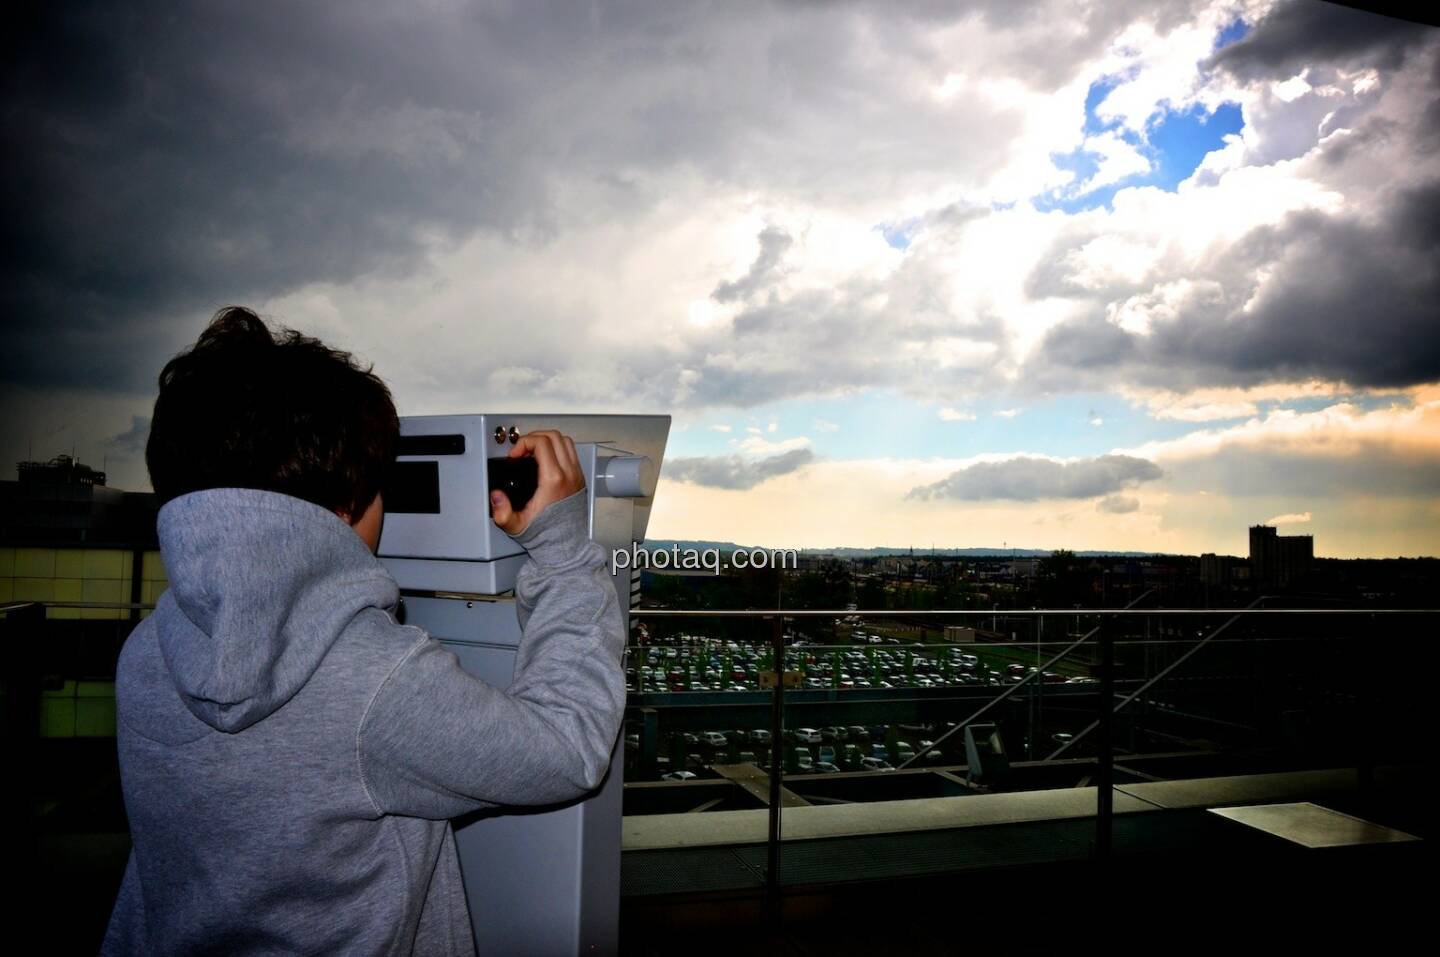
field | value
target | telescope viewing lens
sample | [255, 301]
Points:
[517, 478]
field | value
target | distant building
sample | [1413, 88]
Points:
[813, 563]
[968, 634]
[63, 502]
[88, 554]
[1024, 567]
[67, 537]
[1223, 571]
[1277, 561]
[61, 470]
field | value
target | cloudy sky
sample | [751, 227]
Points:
[1121, 275]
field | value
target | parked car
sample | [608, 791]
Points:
[679, 776]
[807, 735]
[714, 739]
[875, 764]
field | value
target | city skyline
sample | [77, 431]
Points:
[1120, 276]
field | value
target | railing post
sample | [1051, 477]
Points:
[777, 761]
[1362, 715]
[1105, 773]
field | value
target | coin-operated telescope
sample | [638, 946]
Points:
[547, 880]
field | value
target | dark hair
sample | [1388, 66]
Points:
[248, 408]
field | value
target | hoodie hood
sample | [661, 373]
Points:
[262, 585]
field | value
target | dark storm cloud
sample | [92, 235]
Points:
[1345, 297]
[1347, 300]
[734, 471]
[774, 243]
[1029, 479]
[1087, 343]
[1300, 33]
[161, 164]
[158, 163]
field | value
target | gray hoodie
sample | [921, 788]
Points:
[290, 755]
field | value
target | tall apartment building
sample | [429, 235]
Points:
[1276, 560]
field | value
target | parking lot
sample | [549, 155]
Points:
[692, 663]
[697, 663]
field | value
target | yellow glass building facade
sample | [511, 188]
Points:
[80, 706]
[49, 575]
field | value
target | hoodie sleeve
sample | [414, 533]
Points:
[437, 742]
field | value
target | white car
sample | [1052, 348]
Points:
[807, 735]
[679, 776]
[875, 764]
[714, 739]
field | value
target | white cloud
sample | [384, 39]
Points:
[758, 445]
[947, 414]
[1117, 159]
[1340, 430]
[1289, 518]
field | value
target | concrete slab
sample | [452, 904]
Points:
[1243, 789]
[1310, 825]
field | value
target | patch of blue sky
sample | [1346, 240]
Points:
[1088, 424]
[884, 424]
[1175, 144]
[1181, 139]
[1233, 33]
[899, 235]
[1366, 402]
[1093, 98]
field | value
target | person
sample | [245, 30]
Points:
[290, 755]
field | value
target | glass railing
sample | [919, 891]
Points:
[1049, 715]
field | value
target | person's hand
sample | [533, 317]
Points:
[559, 476]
